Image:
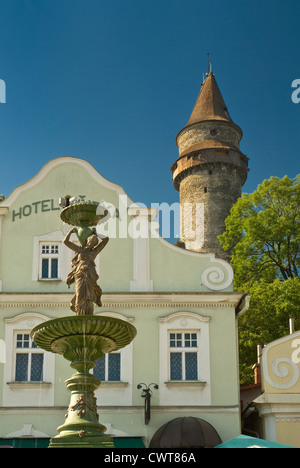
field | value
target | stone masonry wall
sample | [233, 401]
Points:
[206, 198]
[220, 131]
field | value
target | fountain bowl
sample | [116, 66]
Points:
[94, 334]
[83, 214]
[82, 340]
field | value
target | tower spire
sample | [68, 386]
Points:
[210, 170]
[210, 104]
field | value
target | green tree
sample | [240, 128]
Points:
[263, 232]
[271, 306]
[263, 236]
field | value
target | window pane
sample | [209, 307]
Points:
[175, 340]
[191, 367]
[26, 341]
[23, 340]
[21, 368]
[19, 341]
[194, 340]
[172, 340]
[190, 340]
[187, 340]
[45, 268]
[54, 268]
[175, 366]
[114, 367]
[99, 370]
[37, 361]
[179, 340]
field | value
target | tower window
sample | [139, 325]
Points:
[210, 172]
[205, 189]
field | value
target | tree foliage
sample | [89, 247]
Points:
[263, 232]
[263, 236]
[271, 306]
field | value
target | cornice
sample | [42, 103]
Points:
[121, 409]
[123, 299]
[3, 211]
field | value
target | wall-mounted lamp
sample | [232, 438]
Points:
[146, 393]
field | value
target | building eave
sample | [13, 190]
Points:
[127, 299]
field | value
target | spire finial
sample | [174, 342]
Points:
[209, 65]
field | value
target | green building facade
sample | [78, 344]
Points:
[181, 302]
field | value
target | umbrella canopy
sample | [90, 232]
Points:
[244, 441]
[185, 432]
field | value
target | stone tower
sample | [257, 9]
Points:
[209, 172]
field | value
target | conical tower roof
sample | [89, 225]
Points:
[210, 104]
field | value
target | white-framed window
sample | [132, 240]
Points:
[28, 359]
[108, 368]
[49, 260]
[184, 355]
[28, 371]
[184, 368]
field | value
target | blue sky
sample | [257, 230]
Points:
[114, 81]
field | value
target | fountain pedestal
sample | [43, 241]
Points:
[82, 340]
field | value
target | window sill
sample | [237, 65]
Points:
[113, 384]
[30, 385]
[185, 383]
[49, 279]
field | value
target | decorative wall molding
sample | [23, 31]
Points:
[131, 300]
[184, 316]
[141, 250]
[281, 364]
[219, 276]
[280, 369]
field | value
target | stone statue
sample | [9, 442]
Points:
[84, 273]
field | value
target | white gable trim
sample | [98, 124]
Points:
[58, 162]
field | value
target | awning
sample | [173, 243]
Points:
[24, 443]
[119, 442]
[128, 442]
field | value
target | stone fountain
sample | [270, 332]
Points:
[84, 338]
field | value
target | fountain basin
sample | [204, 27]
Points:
[83, 214]
[82, 340]
[115, 333]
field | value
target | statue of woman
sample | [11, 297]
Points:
[84, 274]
